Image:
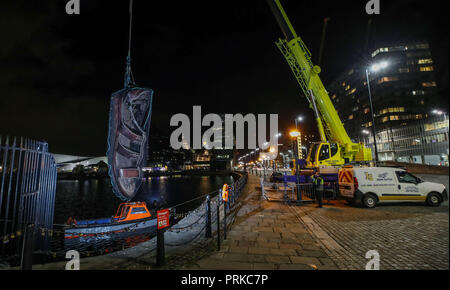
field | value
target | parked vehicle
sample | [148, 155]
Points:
[276, 177]
[371, 185]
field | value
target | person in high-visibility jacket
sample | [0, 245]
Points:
[318, 186]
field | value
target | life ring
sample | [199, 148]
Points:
[225, 192]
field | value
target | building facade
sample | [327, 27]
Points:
[404, 93]
[423, 141]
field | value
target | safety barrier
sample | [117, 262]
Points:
[298, 193]
[27, 196]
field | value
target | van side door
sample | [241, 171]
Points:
[408, 188]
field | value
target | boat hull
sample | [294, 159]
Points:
[98, 236]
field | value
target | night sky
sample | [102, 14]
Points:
[57, 71]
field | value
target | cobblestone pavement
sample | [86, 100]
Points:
[407, 236]
[273, 235]
[267, 236]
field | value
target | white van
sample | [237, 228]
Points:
[370, 185]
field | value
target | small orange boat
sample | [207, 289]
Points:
[131, 218]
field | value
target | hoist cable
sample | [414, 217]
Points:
[129, 78]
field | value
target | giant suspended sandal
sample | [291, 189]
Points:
[129, 128]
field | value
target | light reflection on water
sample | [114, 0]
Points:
[94, 198]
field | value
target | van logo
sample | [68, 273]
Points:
[369, 176]
[383, 177]
[412, 189]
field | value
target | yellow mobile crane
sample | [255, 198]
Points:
[335, 148]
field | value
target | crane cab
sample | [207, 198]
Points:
[325, 154]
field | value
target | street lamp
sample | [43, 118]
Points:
[295, 135]
[437, 112]
[374, 68]
[298, 119]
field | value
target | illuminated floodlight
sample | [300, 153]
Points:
[379, 66]
[438, 112]
[294, 134]
[365, 132]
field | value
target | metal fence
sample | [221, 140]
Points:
[27, 196]
[292, 192]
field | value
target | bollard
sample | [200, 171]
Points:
[26, 262]
[160, 255]
[225, 220]
[208, 233]
[218, 226]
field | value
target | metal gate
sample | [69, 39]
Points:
[302, 192]
[27, 195]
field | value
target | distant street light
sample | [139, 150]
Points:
[366, 132]
[298, 119]
[438, 112]
[294, 134]
[374, 68]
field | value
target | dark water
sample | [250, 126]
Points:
[94, 198]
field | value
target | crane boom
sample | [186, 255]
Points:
[329, 124]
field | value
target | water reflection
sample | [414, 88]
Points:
[94, 198]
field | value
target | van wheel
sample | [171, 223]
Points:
[369, 201]
[433, 199]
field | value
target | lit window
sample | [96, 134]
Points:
[393, 118]
[429, 84]
[385, 119]
[418, 93]
[425, 61]
[366, 110]
[352, 91]
[350, 117]
[427, 68]
[343, 84]
[333, 97]
[347, 88]
[392, 110]
[403, 70]
[388, 79]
